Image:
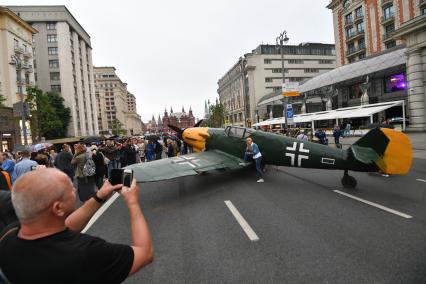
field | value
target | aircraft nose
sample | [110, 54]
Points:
[196, 137]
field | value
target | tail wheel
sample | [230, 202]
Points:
[348, 181]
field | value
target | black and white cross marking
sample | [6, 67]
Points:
[297, 154]
[191, 161]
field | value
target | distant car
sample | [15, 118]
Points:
[398, 120]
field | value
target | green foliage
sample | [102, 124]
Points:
[118, 128]
[217, 116]
[49, 117]
[2, 99]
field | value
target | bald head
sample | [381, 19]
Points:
[35, 192]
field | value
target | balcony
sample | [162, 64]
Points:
[354, 35]
[348, 22]
[358, 18]
[387, 37]
[422, 3]
[387, 19]
[386, 2]
[355, 51]
[18, 50]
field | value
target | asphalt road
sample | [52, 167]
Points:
[308, 233]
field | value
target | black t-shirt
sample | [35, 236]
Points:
[64, 257]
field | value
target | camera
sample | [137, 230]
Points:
[121, 176]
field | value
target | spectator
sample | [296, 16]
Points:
[158, 149]
[85, 184]
[322, 137]
[63, 161]
[5, 182]
[42, 158]
[99, 160]
[130, 153]
[7, 213]
[336, 134]
[7, 165]
[141, 150]
[48, 246]
[150, 151]
[25, 165]
[302, 136]
[110, 151]
[170, 148]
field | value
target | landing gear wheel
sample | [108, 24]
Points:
[348, 181]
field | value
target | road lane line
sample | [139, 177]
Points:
[100, 211]
[422, 180]
[243, 223]
[387, 209]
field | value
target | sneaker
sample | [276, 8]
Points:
[260, 180]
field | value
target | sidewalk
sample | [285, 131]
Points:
[418, 141]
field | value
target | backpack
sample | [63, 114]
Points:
[89, 168]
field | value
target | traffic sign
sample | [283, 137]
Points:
[289, 114]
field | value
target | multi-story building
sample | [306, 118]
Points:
[133, 122]
[179, 119]
[16, 67]
[111, 97]
[259, 73]
[364, 27]
[63, 62]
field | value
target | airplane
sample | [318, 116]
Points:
[380, 150]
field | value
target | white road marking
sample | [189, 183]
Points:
[243, 223]
[422, 180]
[100, 211]
[387, 209]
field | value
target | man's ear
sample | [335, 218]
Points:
[58, 209]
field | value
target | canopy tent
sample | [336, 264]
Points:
[342, 113]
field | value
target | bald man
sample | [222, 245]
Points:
[49, 248]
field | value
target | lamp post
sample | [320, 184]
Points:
[281, 40]
[247, 115]
[18, 65]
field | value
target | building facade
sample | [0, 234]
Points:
[133, 122]
[259, 73]
[364, 27]
[111, 97]
[16, 66]
[63, 63]
[179, 119]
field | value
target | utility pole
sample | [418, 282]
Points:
[280, 40]
[18, 65]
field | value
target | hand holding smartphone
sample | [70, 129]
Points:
[121, 176]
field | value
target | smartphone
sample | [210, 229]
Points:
[116, 176]
[127, 178]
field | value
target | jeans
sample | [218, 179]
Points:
[258, 162]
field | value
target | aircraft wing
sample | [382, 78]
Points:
[186, 165]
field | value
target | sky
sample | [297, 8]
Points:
[172, 53]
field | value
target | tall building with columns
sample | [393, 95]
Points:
[63, 63]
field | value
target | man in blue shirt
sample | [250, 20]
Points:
[8, 166]
[253, 152]
[24, 165]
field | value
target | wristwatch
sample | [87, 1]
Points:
[98, 199]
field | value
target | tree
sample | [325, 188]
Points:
[49, 117]
[2, 99]
[118, 128]
[217, 116]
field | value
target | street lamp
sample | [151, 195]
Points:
[281, 40]
[247, 115]
[18, 65]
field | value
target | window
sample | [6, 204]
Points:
[52, 38]
[52, 50]
[348, 18]
[395, 83]
[267, 61]
[311, 70]
[388, 12]
[359, 13]
[51, 26]
[54, 76]
[423, 11]
[361, 44]
[268, 80]
[53, 63]
[351, 59]
[351, 48]
[35, 77]
[390, 44]
[295, 61]
[346, 3]
[350, 32]
[56, 88]
[390, 28]
[361, 56]
[279, 70]
[25, 47]
[360, 27]
[15, 43]
[325, 61]
[35, 64]
[235, 131]
[355, 92]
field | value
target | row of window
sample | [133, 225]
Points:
[306, 70]
[291, 79]
[300, 61]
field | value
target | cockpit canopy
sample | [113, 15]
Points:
[238, 132]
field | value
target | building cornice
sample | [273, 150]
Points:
[5, 11]
[411, 26]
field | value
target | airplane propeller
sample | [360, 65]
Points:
[179, 131]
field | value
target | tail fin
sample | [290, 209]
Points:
[388, 149]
